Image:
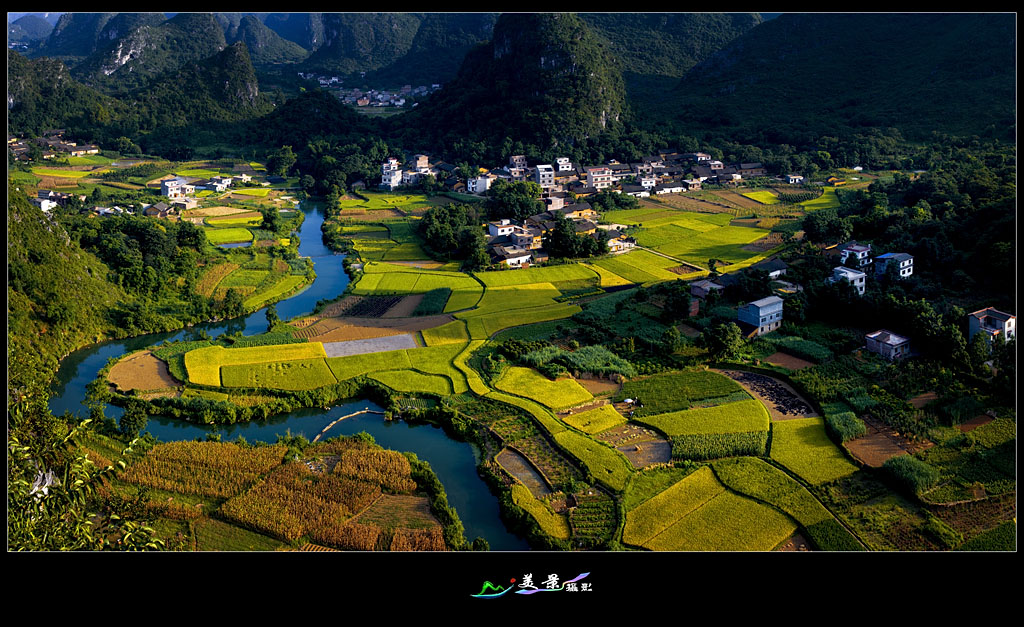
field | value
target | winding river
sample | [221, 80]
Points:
[453, 462]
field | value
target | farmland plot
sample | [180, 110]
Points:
[803, 447]
[554, 394]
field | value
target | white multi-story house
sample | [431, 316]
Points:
[860, 252]
[500, 227]
[410, 177]
[599, 177]
[176, 187]
[545, 176]
[794, 179]
[888, 344]
[480, 184]
[648, 180]
[993, 323]
[764, 315]
[564, 165]
[903, 263]
[856, 278]
[390, 174]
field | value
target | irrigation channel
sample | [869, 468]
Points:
[453, 462]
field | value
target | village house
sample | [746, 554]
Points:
[751, 169]
[517, 161]
[856, 278]
[903, 263]
[159, 210]
[794, 179]
[529, 238]
[545, 176]
[511, 256]
[176, 187]
[500, 227]
[564, 165]
[703, 288]
[774, 267]
[860, 252]
[619, 242]
[599, 177]
[760, 316]
[636, 191]
[887, 344]
[993, 323]
[390, 174]
[480, 184]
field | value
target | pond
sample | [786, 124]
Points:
[454, 462]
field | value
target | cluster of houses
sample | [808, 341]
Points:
[519, 244]
[47, 199]
[52, 144]
[178, 191]
[669, 173]
[859, 257]
[371, 97]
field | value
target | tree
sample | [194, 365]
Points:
[134, 419]
[517, 200]
[280, 161]
[271, 219]
[672, 339]
[272, 317]
[723, 340]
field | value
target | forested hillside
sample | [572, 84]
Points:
[837, 74]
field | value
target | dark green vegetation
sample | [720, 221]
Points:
[905, 79]
[546, 76]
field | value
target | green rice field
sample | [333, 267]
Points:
[738, 417]
[259, 192]
[228, 235]
[827, 200]
[386, 200]
[605, 464]
[531, 384]
[203, 364]
[299, 374]
[803, 447]
[763, 196]
[68, 174]
[595, 420]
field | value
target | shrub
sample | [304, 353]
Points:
[911, 473]
[845, 425]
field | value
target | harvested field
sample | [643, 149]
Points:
[390, 511]
[404, 307]
[597, 387]
[921, 400]
[216, 211]
[788, 361]
[371, 216]
[141, 371]
[874, 448]
[880, 443]
[517, 465]
[781, 400]
[643, 454]
[687, 330]
[738, 199]
[974, 423]
[372, 345]
[344, 329]
[796, 543]
[685, 269]
[688, 203]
